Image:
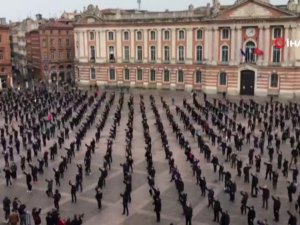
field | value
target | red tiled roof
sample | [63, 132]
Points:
[55, 24]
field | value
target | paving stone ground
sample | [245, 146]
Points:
[141, 208]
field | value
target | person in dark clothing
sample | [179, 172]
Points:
[244, 202]
[157, 208]
[254, 184]
[98, 197]
[125, 203]
[265, 196]
[251, 215]
[292, 219]
[217, 209]
[73, 192]
[56, 197]
[49, 191]
[28, 181]
[276, 208]
[6, 207]
[188, 214]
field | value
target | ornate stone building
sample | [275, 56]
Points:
[213, 48]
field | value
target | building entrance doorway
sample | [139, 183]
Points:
[247, 82]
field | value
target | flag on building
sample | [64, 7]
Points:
[243, 53]
[258, 51]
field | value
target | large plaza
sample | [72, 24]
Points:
[141, 207]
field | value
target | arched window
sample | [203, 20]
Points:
[222, 78]
[276, 55]
[250, 55]
[152, 75]
[274, 80]
[180, 76]
[199, 34]
[167, 35]
[126, 35]
[199, 54]
[139, 75]
[198, 77]
[139, 53]
[93, 53]
[112, 74]
[166, 75]
[111, 50]
[152, 53]
[111, 36]
[93, 73]
[152, 35]
[277, 32]
[225, 54]
[181, 35]
[166, 53]
[139, 35]
[180, 53]
[92, 36]
[126, 74]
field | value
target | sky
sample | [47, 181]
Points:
[20, 9]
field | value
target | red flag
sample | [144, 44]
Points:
[258, 51]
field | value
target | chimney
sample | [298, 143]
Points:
[208, 9]
[2, 21]
[38, 17]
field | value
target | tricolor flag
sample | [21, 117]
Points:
[258, 51]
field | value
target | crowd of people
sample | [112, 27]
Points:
[37, 124]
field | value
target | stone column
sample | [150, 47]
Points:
[173, 48]
[97, 38]
[76, 43]
[238, 45]
[208, 45]
[296, 37]
[145, 60]
[267, 41]
[81, 43]
[286, 50]
[260, 43]
[215, 46]
[85, 38]
[292, 55]
[103, 47]
[232, 45]
[119, 47]
[189, 46]
[132, 46]
[159, 54]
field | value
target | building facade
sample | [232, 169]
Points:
[50, 51]
[214, 48]
[18, 32]
[5, 56]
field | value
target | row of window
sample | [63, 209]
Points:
[52, 42]
[139, 75]
[152, 35]
[276, 54]
[153, 53]
[61, 55]
[225, 34]
[274, 78]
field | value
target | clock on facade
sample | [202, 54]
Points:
[250, 32]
